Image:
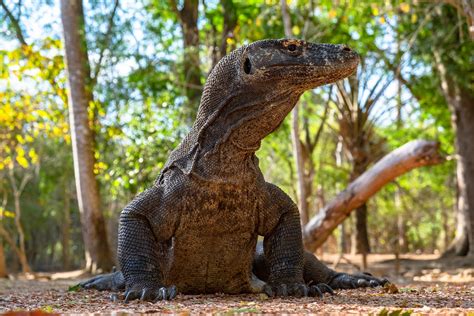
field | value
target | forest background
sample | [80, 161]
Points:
[144, 65]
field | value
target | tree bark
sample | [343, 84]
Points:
[80, 96]
[295, 134]
[188, 18]
[21, 257]
[403, 159]
[66, 230]
[362, 245]
[3, 266]
[17, 191]
[360, 238]
[461, 104]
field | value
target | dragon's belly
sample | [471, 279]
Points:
[214, 244]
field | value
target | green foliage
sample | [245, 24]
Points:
[139, 90]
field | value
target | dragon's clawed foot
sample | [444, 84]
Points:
[111, 281]
[150, 293]
[348, 281]
[297, 290]
[320, 289]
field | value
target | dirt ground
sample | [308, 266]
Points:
[425, 286]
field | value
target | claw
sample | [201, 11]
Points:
[303, 290]
[131, 295]
[267, 289]
[147, 295]
[282, 290]
[162, 293]
[315, 290]
[324, 288]
[114, 297]
[172, 292]
[373, 283]
[299, 290]
[362, 283]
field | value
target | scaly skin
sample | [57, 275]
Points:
[196, 229]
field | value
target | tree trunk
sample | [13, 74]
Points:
[295, 134]
[17, 191]
[403, 159]
[21, 235]
[230, 22]
[21, 257]
[80, 96]
[66, 230]
[461, 104]
[188, 18]
[3, 266]
[463, 118]
[360, 243]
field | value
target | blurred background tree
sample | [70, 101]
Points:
[148, 63]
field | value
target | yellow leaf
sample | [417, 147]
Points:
[375, 10]
[414, 18]
[28, 138]
[8, 162]
[332, 13]
[22, 161]
[230, 41]
[20, 139]
[382, 20]
[32, 154]
[20, 151]
[295, 30]
[405, 7]
[56, 131]
[4, 212]
[42, 113]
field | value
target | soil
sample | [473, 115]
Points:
[422, 286]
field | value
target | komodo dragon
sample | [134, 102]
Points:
[195, 230]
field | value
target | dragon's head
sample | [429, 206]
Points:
[251, 90]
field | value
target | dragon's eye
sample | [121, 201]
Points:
[247, 66]
[292, 47]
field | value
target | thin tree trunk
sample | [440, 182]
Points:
[230, 22]
[188, 18]
[21, 235]
[461, 103]
[295, 134]
[17, 191]
[66, 230]
[402, 241]
[3, 266]
[8, 238]
[80, 96]
[362, 245]
[360, 240]
[403, 159]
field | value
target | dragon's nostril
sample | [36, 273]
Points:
[292, 47]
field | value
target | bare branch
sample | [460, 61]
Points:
[16, 24]
[107, 37]
[403, 159]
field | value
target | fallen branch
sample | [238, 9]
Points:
[412, 155]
